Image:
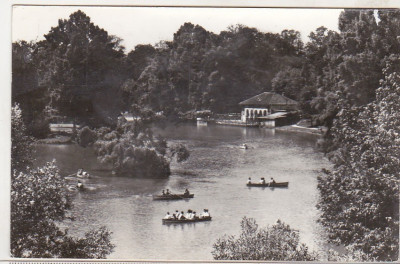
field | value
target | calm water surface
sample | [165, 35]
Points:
[216, 173]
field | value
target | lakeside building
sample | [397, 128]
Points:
[269, 109]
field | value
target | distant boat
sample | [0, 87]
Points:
[243, 146]
[182, 221]
[276, 184]
[173, 196]
[201, 121]
[82, 174]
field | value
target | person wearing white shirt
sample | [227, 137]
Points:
[205, 214]
[182, 215]
[177, 214]
[271, 182]
[168, 216]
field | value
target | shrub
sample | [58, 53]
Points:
[276, 243]
[86, 137]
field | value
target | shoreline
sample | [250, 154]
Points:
[56, 140]
[299, 129]
[65, 139]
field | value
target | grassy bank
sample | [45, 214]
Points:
[55, 139]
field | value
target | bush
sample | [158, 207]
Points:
[86, 137]
[38, 203]
[133, 151]
[276, 243]
[39, 128]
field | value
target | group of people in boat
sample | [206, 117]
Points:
[262, 181]
[244, 146]
[189, 215]
[166, 193]
[82, 173]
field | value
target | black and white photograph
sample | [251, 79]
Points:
[162, 133]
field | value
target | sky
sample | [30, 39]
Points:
[149, 25]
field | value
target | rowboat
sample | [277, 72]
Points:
[173, 196]
[243, 146]
[182, 221]
[276, 184]
[82, 174]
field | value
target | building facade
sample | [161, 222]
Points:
[265, 104]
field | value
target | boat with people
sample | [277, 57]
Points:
[188, 217]
[181, 221]
[263, 183]
[267, 184]
[243, 146]
[82, 174]
[173, 196]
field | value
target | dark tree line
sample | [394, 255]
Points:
[81, 73]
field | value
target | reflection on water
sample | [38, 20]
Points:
[216, 173]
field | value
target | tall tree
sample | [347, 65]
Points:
[21, 142]
[359, 198]
[39, 202]
[81, 65]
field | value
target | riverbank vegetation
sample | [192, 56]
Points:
[276, 243]
[360, 197]
[39, 203]
[132, 150]
[345, 80]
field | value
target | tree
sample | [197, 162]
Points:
[360, 197]
[81, 67]
[38, 203]
[86, 136]
[288, 82]
[133, 151]
[21, 142]
[276, 243]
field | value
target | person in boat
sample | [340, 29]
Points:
[249, 181]
[177, 214]
[194, 216]
[168, 193]
[188, 215]
[205, 214]
[186, 193]
[182, 216]
[168, 216]
[79, 185]
[262, 181]
[163, 193]
[271, 181]
[79, 172]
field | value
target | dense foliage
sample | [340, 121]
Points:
[360, 197]
[276, 243]
[21, 143]
[39, 202]
[132, 150]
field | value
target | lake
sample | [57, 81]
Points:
[216, 173]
